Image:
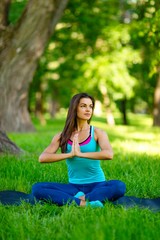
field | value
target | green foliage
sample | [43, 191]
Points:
[101, 47]
[146, 37]
[110, 71]
[136, 162]
[90, 50]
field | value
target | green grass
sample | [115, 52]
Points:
[136, 162]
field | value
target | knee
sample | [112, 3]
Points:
[121, 187]
[36, 188]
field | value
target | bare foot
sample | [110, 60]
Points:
[83, 203]
[82, 198]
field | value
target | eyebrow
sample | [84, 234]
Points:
[86, 104]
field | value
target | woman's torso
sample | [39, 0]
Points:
[85, 170]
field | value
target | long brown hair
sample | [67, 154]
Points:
[71, 120]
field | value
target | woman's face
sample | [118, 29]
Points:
[85, 109]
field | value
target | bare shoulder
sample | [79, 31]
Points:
[56, 138]
[102, 138]
[54, 145]
[98, 133]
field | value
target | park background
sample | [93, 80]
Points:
[51, 50]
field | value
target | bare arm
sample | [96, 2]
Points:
[50, 153]
[101, 137]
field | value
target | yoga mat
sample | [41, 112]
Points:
[16, 198]
[131, 201]
[8, 197]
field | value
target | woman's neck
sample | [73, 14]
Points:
[82, 127]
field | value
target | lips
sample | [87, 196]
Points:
[87, 114]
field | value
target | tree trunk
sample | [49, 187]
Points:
[4, 10]
[156, 110]
[39, 108]
[109, 115]
[7, 146]
[124, 110]
[53, 107]
[21, 48]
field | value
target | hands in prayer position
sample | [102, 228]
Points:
[75, 146]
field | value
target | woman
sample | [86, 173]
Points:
[82, 147]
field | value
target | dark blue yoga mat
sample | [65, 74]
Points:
[131, 201]
[16, 198]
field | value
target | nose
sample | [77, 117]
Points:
[88, 109]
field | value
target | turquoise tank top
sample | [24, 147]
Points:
[85, 170]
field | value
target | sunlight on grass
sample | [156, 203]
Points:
[140, 138]
[137, 147]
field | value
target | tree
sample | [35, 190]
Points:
[101, 55]
[21, 47]
[146, 37]
[7, 146]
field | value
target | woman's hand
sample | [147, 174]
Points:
[75, 146]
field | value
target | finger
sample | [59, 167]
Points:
[75, 137]
[73, 145]
[73, 148]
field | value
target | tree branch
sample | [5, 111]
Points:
[60, 6]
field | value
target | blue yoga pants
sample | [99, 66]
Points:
[62, 194]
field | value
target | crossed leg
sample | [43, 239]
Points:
[57, 193]
[107, 190]
[61, 194]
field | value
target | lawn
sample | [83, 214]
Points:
[136, 162]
